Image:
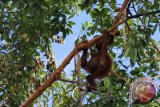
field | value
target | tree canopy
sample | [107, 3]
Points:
[28, 28]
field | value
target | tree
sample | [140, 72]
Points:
[28, 29]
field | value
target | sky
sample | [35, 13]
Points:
[62, 50]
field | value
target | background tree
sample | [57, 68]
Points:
[28, 28]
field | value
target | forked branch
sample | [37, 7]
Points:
[80, 47]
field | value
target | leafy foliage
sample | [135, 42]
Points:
[29, 27]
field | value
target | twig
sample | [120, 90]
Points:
[118, 76]
[155, 46]
[69, 81]
[79, 79]
[143, 14]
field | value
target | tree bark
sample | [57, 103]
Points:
[80, 47]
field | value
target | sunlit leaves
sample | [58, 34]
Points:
[27, 30]
[29, 27]
[106, 82]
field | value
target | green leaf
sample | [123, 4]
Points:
[133, 54]
[128, 51]
[135, 72]
[71, 23]
[106, 82]
[154, 104]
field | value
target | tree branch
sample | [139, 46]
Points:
[57, 72]
[143, 14]
[69, 81]
[119, 16]
[123, 79]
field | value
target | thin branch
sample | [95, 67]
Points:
[128, 9]
[155, 46]
[69, 81]
[120, 15]
[79, 79]
[143, 14]
[137, 13]
[123, 79]
[124, 5]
